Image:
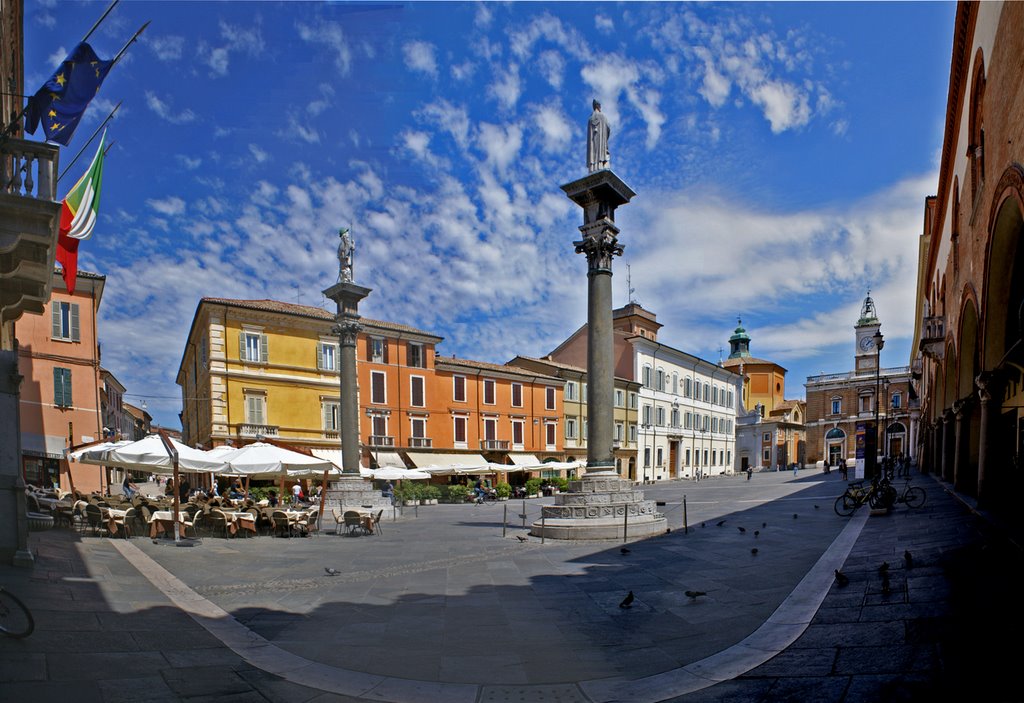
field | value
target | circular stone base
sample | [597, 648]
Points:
[599, 528]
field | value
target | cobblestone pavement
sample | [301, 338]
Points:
[441, 606]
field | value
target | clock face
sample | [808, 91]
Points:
[866, 343]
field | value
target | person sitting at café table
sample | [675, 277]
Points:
[169, 488]
[236, 490]
[272, 498]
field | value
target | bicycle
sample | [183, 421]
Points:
[15, 619]
[878, 494]
[911, 496]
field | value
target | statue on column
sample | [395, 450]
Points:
[346, 254]
[598, 132]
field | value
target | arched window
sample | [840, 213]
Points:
[976, 126]
[646, 378]
[835, 433]
[660, 380]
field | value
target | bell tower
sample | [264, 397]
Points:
[865, 355]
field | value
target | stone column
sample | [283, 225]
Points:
[962, 444]
[987, 384]
[948, 445]
[13, 520]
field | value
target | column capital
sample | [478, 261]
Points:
[600, 243]
[988, 384]
[962, 407]
[348, 329]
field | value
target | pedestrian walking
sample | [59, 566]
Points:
[750, 472]
[795, 467]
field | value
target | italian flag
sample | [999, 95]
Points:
[78, 216]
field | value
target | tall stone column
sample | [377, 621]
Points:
[948, 444]
[962, 444]
[13, 521]
[987, 384]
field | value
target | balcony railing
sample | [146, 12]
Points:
[420, 442]
[933, 336]
[28, 169]
[332, 434]
[377, 440]
[249, 430]
[494, 444]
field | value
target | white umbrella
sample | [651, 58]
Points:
[262, 460]
[392, 473]
[98, 448]
[149, 454]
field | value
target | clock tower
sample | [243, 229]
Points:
[866, 356]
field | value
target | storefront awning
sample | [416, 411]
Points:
[388, 459]
[456, 461]
[333, 456]
[521, 459]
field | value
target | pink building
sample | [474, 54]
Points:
[58, 356]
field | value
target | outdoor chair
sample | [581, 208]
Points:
[353, 522]
[282, 527]
[258, 518]
[377, 520]
[339, 521]
[94, 518]
[311, 521]
[193, 521]
[130, 518]
[218, 522]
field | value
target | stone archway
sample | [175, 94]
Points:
[835, 446]
[968, 410]
[948, 416]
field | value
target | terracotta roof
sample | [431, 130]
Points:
[745, 360]
[487, 366]
[568, 367]
[310, 311]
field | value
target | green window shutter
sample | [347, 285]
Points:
[241, 346]
[67, 388]
[56, 320]
[319, 355]
[74, 323]
[263, 348]
[58, 387]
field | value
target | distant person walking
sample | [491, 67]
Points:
[750, 472]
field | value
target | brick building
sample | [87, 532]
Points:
[840, 405]
[968, 353]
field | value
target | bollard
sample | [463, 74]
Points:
[504, 520]
[625, 522]
[416, 509]
[686, 529]
[523, 514]
[542, 519]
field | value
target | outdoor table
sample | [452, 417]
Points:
[114, 518]
[246, 521]
[163, 521]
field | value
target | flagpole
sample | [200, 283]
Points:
[102, 17]
[129, 43]
[86, 145]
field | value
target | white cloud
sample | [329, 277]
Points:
[463, 71]
[506, 87]
[300, 131]
[166, 47]
[554, 127]
[246, 40]
[785, 105]
[219, 60]
[420, 56]
[604, 24]
[188, 162]
[453, 119]
[46, 19]
[500, 145]
[332, 36]
[164, 111]
[170, 206]
[54, 60]
[552, 66]
[258, 154]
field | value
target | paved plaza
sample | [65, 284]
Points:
[442, 607]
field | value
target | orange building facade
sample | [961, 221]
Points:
[58, 356]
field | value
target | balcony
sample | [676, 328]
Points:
[494, 444]
[29, 220]
[379, 440]
[420, 443]
[933, 336]
[332, 435]
[250, 430]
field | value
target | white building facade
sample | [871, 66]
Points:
[687, 414]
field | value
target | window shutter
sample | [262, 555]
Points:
[384, 345]
[263, 348]
[327, 416]
[74, 322]
[67, 388]
[369, 349]
[58, 387]
[319, 355]
[56, 320]
[241, 346]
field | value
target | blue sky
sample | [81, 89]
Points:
[781, 154]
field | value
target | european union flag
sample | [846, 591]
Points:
[62, 100]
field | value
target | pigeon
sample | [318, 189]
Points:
[623, 551]
[908, 560]
[520, 538]
[742, 529]
[842, 579]
[885, 583]
[331, 572]
[884, 568]
[764, 525]
[754, 551]
[668, 530]
[695, 594]
[794, 516]
[816, 507]
[719, 523]
[627, 602]
[703, 525]
[757, 532]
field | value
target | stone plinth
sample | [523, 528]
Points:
[599, 507]
[354, 492]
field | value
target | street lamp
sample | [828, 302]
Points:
[888, 419]
[879, 343]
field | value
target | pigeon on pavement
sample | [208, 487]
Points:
[623, 550]
[719, 523]
[627, 602]
[331, 572]
[754, 551]
[794, 516]
[520, 538]
[764, 525]
[742, 529]
[757, 532]
[695, 594]
[908, 560]
[842, 579]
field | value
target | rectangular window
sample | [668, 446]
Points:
[837, 406]
[490, 429]
[714, 395]
[897, 400]
[417, 427]
[618, 432]
[675, 417]
[417, 358]
[459, 428]
[517, 395]
[766, 437]
[550, 435]
[570, 390]
[729, 400]
[646, 415]
[380, 426]
[632, 433]
[688, 421]
[459, 389]
[416, 398]
[660, 414]
[705, 457]
[620, 398]
[660, 457]
[647, 457]
[253, 347]
[633, 401]
[489, 392]
[62, 387]
[331, 414]
[687, 457]
[327, 356]
[377, 351]
[706, 423]
[517, 433]
[687, 387]
[714, 424]
[570, 428]
[65, 321]
[646, 378]
[255, 408]
[659, 380]
[707, 393]
[378, 387]
[549, 398]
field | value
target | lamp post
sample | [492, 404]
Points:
[879, 343]
[888, 419]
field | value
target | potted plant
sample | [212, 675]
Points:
[430, 494]
[503, 490]
[533, 487]
[457, 493]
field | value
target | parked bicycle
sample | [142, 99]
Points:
[15, 619]
[911, 496]
[876, 494]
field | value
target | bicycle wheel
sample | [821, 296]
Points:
[15, 620]
[845, 505]
[883, 497]
[914, 497]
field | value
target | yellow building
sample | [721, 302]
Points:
[764, 382]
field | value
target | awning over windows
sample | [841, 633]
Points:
[456, 461]
[388, 459]
[521, 459]
[333, 456]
